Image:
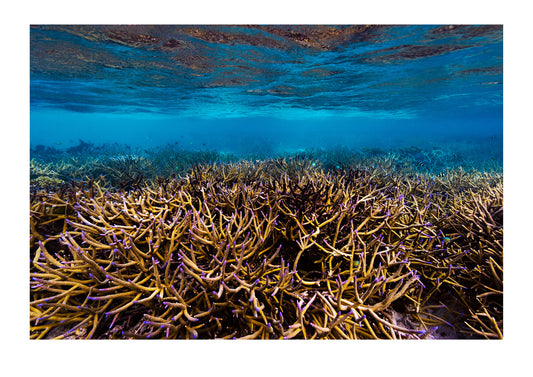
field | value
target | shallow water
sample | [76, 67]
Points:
[269, 89]
[375, 211]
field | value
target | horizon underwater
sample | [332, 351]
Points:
[266, 182]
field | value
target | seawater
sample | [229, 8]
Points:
[269, 90]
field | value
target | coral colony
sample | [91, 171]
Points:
[286, 248]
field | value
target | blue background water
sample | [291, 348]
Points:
[267, 88]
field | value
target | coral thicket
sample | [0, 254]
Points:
[272, 249]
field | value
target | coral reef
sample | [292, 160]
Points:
[123, 166]
[274, 249]
[43, 175]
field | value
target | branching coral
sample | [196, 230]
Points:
[43, 175]
[272, 249]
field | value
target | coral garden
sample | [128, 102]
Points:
[287, 248]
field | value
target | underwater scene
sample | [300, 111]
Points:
[266, 182]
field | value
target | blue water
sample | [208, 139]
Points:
[272, 89]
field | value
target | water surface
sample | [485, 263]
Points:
[272, 88]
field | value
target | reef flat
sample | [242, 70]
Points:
[286, 248]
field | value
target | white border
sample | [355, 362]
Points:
[282, 358]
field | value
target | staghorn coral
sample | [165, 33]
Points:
[271, 249]
[123, 165]
[43, 175]
[477, 231]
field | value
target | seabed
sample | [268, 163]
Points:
[286, 248]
